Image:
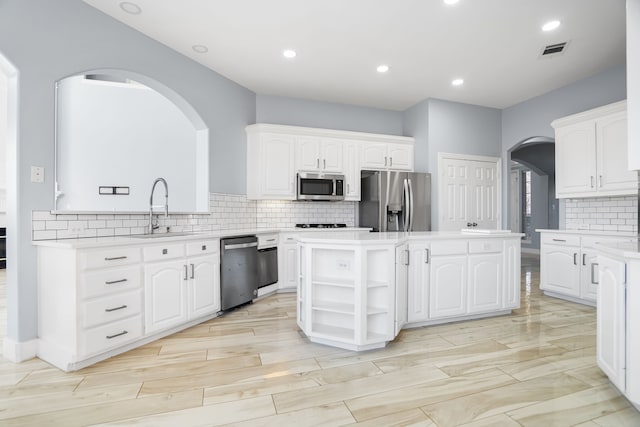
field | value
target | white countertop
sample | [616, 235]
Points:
[395, 238]
[589, 232]
[621, 249]
[97, 242]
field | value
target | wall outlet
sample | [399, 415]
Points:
[343, 264]
[76, 228]
[37, 174]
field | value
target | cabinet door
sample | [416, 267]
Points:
[165, 287]
[308, 154]
[560, 270]
[613, 174]
[511, 278]
[204, 282]
[287, 266]
[352, 171]
[611, 321]
[448, 286]
[485, 282]
[588, 275]
[402, 261]
[400, 156]
[277, 162]
[576, 159]
[418, 283]
[331, 159]
[374, 156]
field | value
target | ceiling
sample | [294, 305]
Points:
[494, 45]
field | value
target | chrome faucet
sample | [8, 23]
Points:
[155, 226]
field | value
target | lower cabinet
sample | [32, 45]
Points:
[568, 267]
[287, 262]
[448, 286]
[485, 282]
[180, 290]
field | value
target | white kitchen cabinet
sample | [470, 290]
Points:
[448, 286]
[418, 283]
[287, 262]
[611, 320]
[179, 288]
[270, 166]
[401, 285]
[511, 278]
[485, 282]
[391, 156]
[591, 154]
[319, 155]
[567, 264]
[352, 170]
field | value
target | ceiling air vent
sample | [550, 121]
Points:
[554, 49]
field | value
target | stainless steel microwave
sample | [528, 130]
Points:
[320, 186]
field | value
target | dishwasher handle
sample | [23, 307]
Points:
[241, 245]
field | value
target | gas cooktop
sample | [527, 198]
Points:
[321, 225]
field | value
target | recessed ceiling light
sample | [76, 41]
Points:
[451, 1]
[457, 82]
[200, 48]
[382, 68]
[289, 53]
[551, 25]
[131, 8]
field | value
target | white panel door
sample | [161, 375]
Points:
[400, 156]
[165, 294]
[308, 156]
[511, 278]
[485, 282]
[374, 156]
[576, 158]
[401, 298]
[331, 156]
[287, 265]
[277, 158]
[611, 321]
[204, 282]
[448, 286]
[589, 275]
[418, 283]
[352, 170]
[611, 134]
[469, 193]
[560, 270]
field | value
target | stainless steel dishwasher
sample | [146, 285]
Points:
[238, 270]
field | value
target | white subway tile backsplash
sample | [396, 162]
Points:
[618, 214]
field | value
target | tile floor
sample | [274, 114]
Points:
[252, 367]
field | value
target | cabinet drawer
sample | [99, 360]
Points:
[111, 308]
[449, 247]
[484, 246]
[590, 241]
[111, 335]
[561, 239]
[108, 281]
[203, 248]
[267, 240]
[111, 257]
[160, 252]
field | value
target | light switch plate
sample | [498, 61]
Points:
[37, 174]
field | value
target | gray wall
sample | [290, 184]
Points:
[415, 123]
[48, 40]
[300, 112]
[460, 129]
[534, 116]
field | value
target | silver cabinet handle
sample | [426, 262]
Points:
[574, 258]
[347, 188]
[241, 245]
[317, 163]
[558, 240]
[324, 163]
[427, 256]
[600, 181]
[593, 281]
[271, 240]
[385, 160]
[113, 282]
[115, 258]
[117, 335]
[390, 161]
[591, 180]
[193, 271]
[407, 257]
[185, 272]
[584, 256]
[109, 310]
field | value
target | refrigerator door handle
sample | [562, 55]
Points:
[410, 227]
[405, 205]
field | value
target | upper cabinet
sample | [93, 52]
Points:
[591, 154]
[393, 156]
[276, 153]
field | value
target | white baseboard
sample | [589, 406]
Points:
[17, 352]
[530, 251]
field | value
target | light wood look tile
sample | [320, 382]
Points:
[253, 367]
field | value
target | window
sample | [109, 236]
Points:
[527, 226]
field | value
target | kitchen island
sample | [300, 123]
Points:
[358, 290]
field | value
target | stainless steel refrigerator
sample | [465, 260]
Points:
[395, 201]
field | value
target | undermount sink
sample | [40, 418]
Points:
[158, 235]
